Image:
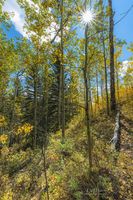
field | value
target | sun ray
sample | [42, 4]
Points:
[88, 17]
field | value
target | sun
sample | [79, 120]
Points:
[87, 17]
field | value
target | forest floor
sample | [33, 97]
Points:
[22, 172]
[127, 129]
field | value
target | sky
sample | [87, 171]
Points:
[123, 30]
[18, 21]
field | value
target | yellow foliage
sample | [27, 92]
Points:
[7, 195]
[23, 179]
[5, 151]
[25, 129]
[3, 122]
[3, 139]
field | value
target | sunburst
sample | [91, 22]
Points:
[88, 17]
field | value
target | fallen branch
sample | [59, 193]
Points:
[116, 138]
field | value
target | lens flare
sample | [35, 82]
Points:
[87, 17]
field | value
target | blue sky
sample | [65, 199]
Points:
[123, 30]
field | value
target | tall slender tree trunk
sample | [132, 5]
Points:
[45, 172]
[118, 88]
[59, 92]
[104, 58]
[102, 100]
[59, 99]
[35, 110]
[89, 91]
[87, 107]
[106, 75]
[46, 104]
[91, 104]
[45, 136]
[62, 77]
[13, 114]
[112, 68]
[97, 85]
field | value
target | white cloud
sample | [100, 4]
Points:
[125, 66]
[18, 19]
[11, 6]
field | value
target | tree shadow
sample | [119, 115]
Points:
[125, 128]
[129, 121]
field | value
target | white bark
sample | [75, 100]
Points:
[116, 138]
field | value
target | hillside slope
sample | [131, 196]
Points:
[22, 172]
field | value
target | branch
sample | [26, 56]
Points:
[60, 29]
[116, 138]
[126, 13]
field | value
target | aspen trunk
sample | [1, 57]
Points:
[97, 85]
[116, 138]
[106, 75]
[45, 135]
[112, 68]
[35, 110]
[102, 100]
[45, 171]
[87, 107]
[13, 113]
[105, 60]
[118, 89]
[62, 77]
[59, 100]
